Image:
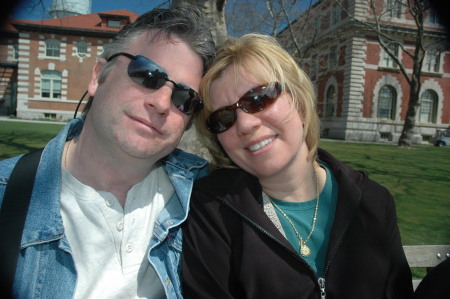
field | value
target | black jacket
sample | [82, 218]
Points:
[231, 249]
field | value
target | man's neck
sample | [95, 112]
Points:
[104, 170]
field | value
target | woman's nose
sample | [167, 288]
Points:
[246, 122]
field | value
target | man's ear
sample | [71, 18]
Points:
[96, 70]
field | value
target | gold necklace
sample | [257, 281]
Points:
[304, 249]
[67, 151]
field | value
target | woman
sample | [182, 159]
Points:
[279, 218]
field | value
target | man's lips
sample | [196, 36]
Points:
[146, 123]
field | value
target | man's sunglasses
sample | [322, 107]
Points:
[254, 100]
[148, 74]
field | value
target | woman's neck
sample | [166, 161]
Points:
[296, 186]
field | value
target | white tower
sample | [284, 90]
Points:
[65, 8]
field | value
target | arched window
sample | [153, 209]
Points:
[51, 85]
[81, 49]
[52, 48]
[330, 106]
[428, 106]
[387, 100]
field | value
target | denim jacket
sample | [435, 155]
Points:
[46, 268]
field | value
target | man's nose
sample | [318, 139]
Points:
[161, 99]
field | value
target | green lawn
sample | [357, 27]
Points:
[418, 178]
[22, 137]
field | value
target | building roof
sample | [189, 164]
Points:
[94, 22]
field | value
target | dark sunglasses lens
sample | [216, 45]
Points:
[182, 100]
[185, 99]
[146, 73]
[259, 98]
[221, 120]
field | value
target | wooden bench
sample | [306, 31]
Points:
[425, 256]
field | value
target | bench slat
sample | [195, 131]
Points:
[426, 255]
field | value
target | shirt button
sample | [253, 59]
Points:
[119, 225]
[129, 247]
[109, 202]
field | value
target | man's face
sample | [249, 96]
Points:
[135, 120]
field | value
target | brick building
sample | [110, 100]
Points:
[362, 95]
[45, 65]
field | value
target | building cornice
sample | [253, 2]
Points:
[22, 27]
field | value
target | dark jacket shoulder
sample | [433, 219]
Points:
[225, 181]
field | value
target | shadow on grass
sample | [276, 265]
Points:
[20, 143]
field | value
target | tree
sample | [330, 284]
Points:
[215, 12]
[380, 22]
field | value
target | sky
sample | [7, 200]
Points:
[25, 11]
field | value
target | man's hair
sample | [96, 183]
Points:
[185, 21]
[263, 58]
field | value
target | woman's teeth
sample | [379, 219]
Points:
[261, 144]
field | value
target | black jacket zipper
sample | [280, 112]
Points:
[320, 280]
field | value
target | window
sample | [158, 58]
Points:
[81, 49]
[113, 23]
[52, 48]
[317, 25]
[387, 100]
[427, 138]
[428, 105]
[432, 61]
[388, 61]
[332, 58]
[314, 66]
[433, 16]
[16, 51]
[330, 106]
[335, 14]
[51, 85]
[385, 136]
[394, 8]
[50, 115]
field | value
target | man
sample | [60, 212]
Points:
[111, 190]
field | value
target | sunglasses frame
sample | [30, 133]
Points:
[264, 100]
[148, 74]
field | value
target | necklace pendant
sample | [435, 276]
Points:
[304, 250]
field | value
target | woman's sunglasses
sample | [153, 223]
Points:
[254, 100]
[148, 74]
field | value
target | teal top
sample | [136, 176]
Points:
[301, 214]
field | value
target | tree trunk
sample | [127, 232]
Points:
[215, 12]
[414, 82]
[410, 119]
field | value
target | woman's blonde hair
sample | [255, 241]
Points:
[263, 58]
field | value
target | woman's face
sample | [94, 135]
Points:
[264, 143]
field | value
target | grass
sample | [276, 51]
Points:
[23, 137]
[418, 178]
